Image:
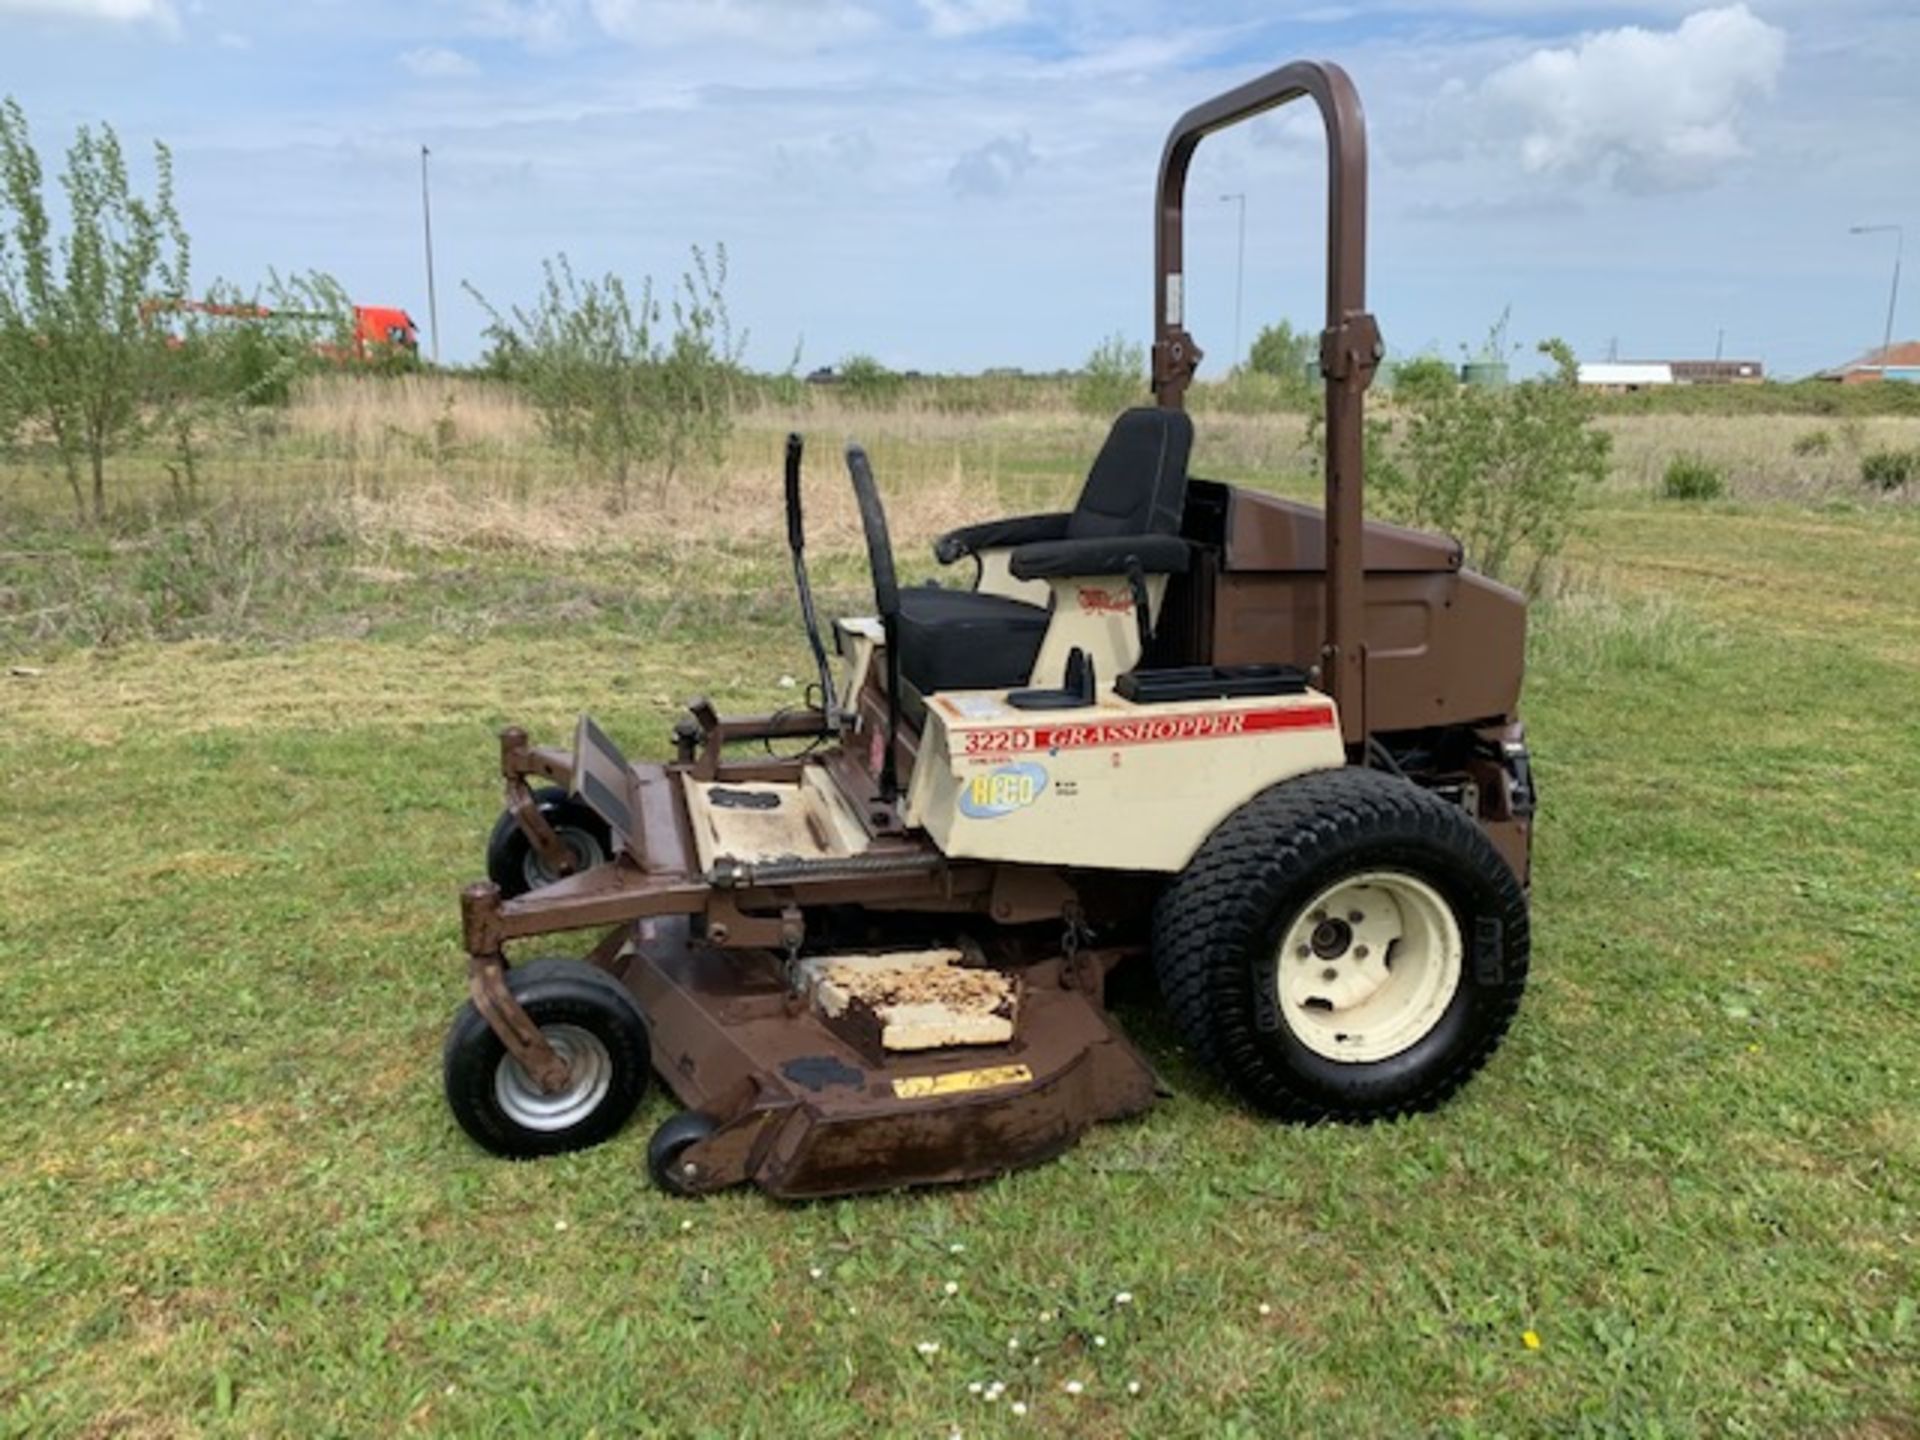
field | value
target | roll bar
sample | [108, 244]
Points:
[1350, 345]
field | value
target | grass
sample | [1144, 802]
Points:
[232, 1201]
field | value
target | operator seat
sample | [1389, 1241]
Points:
[971, 640]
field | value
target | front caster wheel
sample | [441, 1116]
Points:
[1345, 946]
[677, 1134]
[591, 1020]
[516, 867]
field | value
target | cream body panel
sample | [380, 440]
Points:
[1095, 614]
[997, 579]
[1112, 786]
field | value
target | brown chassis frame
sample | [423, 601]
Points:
[706, 1000]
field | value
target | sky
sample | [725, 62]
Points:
[959, 184]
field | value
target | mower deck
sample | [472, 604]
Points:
[803, 1110]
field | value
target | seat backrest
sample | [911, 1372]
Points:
[1138, 483]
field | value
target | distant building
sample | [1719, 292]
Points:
[1717, 372]
[1620, 376]
[1895, 362]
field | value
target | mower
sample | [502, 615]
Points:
[1272, 749]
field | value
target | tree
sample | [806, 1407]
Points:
[81, 357]
[1421, 378]
[1283, 352]
[1503, 470]
[618, 377]
[1113, 378]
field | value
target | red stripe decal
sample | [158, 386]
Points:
[1145, 730]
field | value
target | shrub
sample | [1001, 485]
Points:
[1504, 471]
[1422, 377]
[1114, 377]
[1284, 353]
[865, 381]
[1889, 470]
[612, 379]
[1814, 442]
[1690, 477]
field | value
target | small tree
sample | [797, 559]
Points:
[1422, 379]
[866, 381]
[1282, 352]
[612, 379]
[1113, 378]
[1504, 471]
[81, 356]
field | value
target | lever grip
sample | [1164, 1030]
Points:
[796, 528]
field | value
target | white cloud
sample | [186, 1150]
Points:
[540, 25]
[437, 62]
[1641, 109]
[991, 169]
[158, 12]
[772, 23]
[948, 18]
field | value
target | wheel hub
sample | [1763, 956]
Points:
[1368, 966]
[585, 849]
[590, 1077]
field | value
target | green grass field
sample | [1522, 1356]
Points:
[1683, 1200]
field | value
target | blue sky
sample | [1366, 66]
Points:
[952, 184]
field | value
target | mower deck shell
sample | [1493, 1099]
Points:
[802, 1112]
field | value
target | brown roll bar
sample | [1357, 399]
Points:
[1350, 346]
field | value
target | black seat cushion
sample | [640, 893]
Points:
[966, 640]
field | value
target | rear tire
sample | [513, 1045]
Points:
[1310, 1013]
[516, 867]
[586, 1015]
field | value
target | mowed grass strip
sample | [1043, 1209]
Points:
[232, 1201]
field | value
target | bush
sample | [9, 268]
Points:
[1690, 477]
[1814, 442]
[1114, 377]
[1503, 471]
[611, 379]
[865, 381]
[1422, 377]
[1889, 470]
[1284, 353]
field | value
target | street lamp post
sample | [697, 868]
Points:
[1893, 294]
[426, 219]
[1239, 271]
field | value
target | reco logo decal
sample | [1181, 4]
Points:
[1002, 791]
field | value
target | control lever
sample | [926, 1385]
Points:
[1137, 584]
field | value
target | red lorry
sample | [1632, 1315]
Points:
[378, 330]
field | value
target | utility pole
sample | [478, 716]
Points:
[1239, 274]
[1893, 295]
[426, 217]
[1719, 342]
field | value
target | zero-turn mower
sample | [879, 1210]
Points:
[1275, 749]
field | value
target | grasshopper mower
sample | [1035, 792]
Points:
[1274, 749]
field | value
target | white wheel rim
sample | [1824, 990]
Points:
[590, 1068]
[584, 847]
[1368, 966]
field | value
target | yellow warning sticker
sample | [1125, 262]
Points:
[955, 1082]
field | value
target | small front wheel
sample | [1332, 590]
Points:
[589, 1018]
[516, 867]
[677, 1135]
